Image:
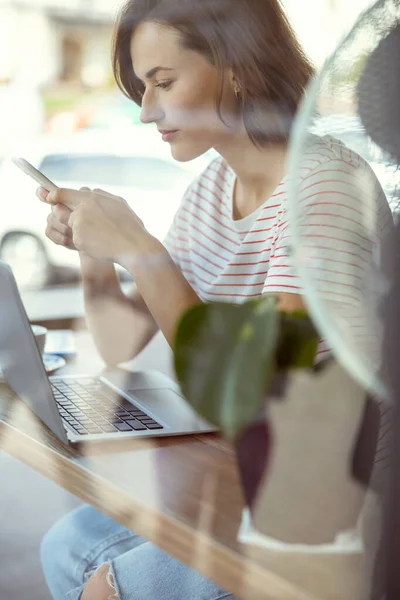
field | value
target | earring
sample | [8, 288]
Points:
[238, 94]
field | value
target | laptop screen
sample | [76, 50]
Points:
[20, 358]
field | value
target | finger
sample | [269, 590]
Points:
[54, 223]
[67, 197]
[84, 189]
[59, 239]
[60, 213]
[42, 194]
[71, 221]
[104, 193]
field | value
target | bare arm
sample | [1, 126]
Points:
[121, 326]
[164, 289]
[290, 302]
[103, 226]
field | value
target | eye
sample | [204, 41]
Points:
[164, 85]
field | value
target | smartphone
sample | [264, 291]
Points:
[30, 170]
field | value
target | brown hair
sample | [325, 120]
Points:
[252, 37]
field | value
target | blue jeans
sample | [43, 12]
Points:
[85, 539]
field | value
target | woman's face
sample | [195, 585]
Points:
[180, 91]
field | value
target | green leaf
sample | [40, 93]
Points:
[298, 341]
[225, 359]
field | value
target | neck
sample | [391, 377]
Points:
[258, 170]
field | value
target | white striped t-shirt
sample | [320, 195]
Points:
[342, 218]
[233, 261]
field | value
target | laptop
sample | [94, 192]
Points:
[116, 404]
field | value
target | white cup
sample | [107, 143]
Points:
[40, 334]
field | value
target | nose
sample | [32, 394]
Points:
[151, 112]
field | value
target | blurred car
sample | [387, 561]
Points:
[138, 167]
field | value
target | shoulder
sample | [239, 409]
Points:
[334, 185]
[328, 160]
[329, 153]
[330, 167]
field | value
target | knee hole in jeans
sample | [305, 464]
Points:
[102, 575]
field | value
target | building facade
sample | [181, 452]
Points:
[44, 41]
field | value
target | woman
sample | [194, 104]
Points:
[222, 74]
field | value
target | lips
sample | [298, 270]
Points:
[167, 135]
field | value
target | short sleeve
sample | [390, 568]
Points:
[342, 218]
[342, 214]
[282, 276]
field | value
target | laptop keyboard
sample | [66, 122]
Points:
[89, 406]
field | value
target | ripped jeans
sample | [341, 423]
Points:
[85, 539]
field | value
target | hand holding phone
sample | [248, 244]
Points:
[30, 170]
[57, 226]
[37, 175]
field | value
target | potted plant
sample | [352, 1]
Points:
[251, 370]
[232, 359]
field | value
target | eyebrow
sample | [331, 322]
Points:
[155, 70]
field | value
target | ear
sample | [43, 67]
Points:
[235, 85]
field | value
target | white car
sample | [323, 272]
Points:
[137, 166]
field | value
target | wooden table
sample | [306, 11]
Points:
[182, 494]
